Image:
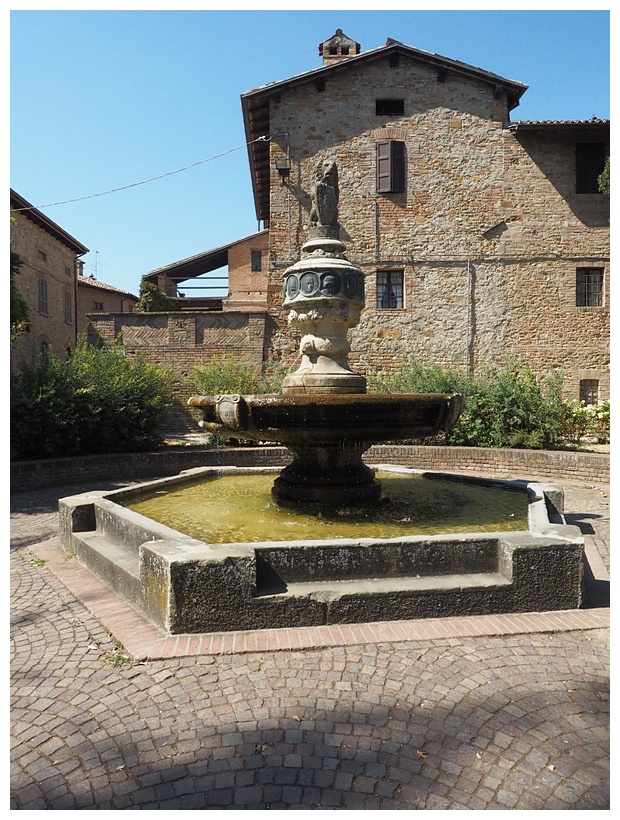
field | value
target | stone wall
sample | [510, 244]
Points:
[535, 465]
[489, 233]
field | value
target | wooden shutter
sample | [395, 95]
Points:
[391, 167]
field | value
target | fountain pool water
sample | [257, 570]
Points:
[412, 504]
[193, 580]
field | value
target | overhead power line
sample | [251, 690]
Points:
[144, 181]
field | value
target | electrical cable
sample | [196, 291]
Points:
[144, 181]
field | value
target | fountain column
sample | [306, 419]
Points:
[325, 296]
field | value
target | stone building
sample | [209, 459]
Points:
[96, 298]
[59, 297]
[481, 238]
[48, 277]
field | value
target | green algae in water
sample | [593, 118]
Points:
[240, 508]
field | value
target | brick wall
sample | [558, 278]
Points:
[247, 289]
[182, 341]
[535, 465]
[44, 257]
[185, 339]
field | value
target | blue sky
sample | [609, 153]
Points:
[108, 99]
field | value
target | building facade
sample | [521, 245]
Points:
[96, 298]
[47, 280]
[481, 238]
[59, 298]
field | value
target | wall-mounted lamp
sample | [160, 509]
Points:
[283, 167]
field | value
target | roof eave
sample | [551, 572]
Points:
[205, 261]
[261, 95]
[18, 203]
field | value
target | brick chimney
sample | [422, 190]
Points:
[338, 47]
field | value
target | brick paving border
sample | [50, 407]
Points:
[143, 640]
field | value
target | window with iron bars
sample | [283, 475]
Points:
[589, 287]
[588, 391]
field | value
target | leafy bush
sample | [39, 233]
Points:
[413, 377]
[501, 408]
[508, 408]
[587, 421]
[221, 375]
[97, 401]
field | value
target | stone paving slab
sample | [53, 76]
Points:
[498, 713]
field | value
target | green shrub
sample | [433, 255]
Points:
[413, 377]
[509, 408]
[152, 299]
[98, 401]
[504, 407]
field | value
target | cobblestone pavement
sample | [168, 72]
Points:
[509, 722]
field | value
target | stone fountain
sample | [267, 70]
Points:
[327, 421]
[324, 415]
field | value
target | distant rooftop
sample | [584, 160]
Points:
[90, 281]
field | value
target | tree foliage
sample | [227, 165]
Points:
[18, 306]
[604, 180]
[152, 299]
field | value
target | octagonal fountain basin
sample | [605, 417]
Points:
[327, 433]
[419, 554]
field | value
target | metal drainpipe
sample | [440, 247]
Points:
[469, 340]
[75, 298]
[377, 248]
[287, 143]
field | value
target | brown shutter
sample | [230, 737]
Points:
[391, 176]
[384, 168]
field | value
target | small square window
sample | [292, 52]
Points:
[589, 287]
[588, 391]
[67, 271]
[97, 305]
[42, 256]
[389, 108]
[390, 290]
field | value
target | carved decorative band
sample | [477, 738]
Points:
[323, 283]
